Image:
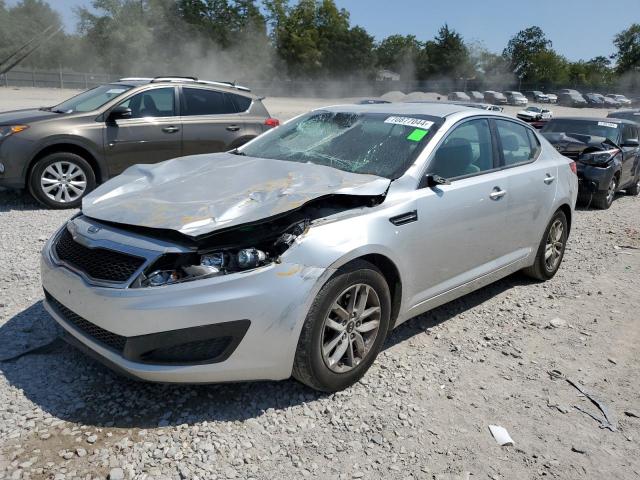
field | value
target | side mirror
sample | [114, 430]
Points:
[119, 112]
[431, 181]
[632, 142]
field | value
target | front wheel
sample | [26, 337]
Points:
[551, 249]
[61, 179]
[344, 329]
[603, 200]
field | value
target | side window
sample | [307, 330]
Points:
[467, 150]
[516, 143]
[629, 133]
[535, 144]
[243, 103]
[158, 102]
[200, 101]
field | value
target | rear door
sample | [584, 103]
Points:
[151, 135]
[532, 182]
[211, 121]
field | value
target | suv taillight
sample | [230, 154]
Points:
[272, 122]
[574, 167]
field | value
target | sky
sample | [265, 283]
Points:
[579, 29]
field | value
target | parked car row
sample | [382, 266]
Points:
[566, 97]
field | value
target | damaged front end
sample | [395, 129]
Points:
[237, 249]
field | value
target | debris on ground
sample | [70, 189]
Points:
[604, 422]
[501, 435]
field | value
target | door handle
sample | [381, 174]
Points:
[549, 179]
[233, 128]
[170, 129]
[497, 193]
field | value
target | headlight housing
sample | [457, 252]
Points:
[178, 268]
[7, 130]
[601, 157]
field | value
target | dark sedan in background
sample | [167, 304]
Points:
[61, 153]
[607, 153]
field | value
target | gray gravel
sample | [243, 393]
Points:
[422, 411]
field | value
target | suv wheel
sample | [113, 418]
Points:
[61, 179]
[551, 249]
[605, 199]
[344, 329]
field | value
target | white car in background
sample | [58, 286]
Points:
[621, 99]
[553, 98]
[532, 114]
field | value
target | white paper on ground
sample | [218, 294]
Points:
[501, 435]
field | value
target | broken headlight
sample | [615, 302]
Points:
[177, 268]
[598, 158]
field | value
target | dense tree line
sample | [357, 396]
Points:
[307, 39]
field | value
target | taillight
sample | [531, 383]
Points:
[574, 167]
[272, 122]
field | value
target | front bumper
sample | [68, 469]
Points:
[271, 302]
[592, 179]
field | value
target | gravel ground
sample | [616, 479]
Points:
[422, 411]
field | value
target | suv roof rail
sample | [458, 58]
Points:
[175, 78]
[134, 79]
[170, 78]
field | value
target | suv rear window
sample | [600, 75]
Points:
[200, 101]
[243, 103]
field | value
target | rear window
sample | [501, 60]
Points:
[516, 142]
[200, 101]
[242, 103]
[379, 144]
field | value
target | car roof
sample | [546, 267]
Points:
[435, 109]
[140, 81]
[595, 119]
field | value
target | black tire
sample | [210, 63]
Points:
[603, 200]
[634, 189]
[69, 162]
[309, 366]
[540, 270]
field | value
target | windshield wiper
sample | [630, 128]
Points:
[235, 151]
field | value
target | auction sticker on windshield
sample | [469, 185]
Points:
[410, 122]
[607, 124]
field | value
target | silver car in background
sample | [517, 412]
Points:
[297, 253]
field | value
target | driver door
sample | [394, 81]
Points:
[152, 134]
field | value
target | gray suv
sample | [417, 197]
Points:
[61, 153]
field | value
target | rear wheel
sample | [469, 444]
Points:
[344, 329]
[603, 200]
[551, 249]
[61, 179]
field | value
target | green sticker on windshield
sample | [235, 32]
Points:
[417, 135]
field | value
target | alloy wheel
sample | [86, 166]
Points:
[554, 246]
[611, 191]
[63, 182]
[350, 328]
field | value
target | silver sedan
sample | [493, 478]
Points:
[297, 253]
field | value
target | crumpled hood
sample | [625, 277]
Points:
[199, 194]
[573, 143]
[25, 116]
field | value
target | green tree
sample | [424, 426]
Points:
[628, 44]
[522, 49]
[25, 20]
[396, 51]
[448, 55]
